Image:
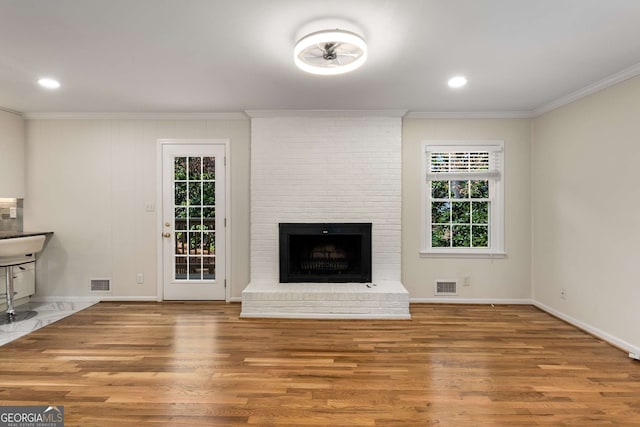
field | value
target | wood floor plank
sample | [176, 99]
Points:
[199, 364]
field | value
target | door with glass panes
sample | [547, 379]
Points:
[193, 221]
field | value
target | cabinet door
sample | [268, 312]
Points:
[24, 280]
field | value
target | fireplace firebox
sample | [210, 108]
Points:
[325, 252]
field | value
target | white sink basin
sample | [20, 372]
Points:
[20, 249]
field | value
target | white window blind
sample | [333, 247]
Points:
[475, 162]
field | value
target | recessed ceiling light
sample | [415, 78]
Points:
[49, 83]
[457, 81]
[330, 52]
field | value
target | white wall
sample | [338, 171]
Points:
[12, 164]
[88, 181]
[325, 169]
[502, 280]
[586, 205]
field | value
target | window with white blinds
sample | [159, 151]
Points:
[472, 162]
[463, 198]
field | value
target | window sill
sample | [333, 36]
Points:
[487, 255]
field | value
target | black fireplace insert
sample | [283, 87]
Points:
[325, 252]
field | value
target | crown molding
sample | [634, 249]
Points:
[613, 79]
[469, 115]
[136, 116]
[260, 114]
[8, 110]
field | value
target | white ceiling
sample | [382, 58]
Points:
[184, 56]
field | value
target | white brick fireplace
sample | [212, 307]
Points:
[334, 167]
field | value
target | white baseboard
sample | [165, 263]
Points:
[94, 298]
[151, 298]
[148, 298]
[613, 340]
[64, 299]
[441, 300]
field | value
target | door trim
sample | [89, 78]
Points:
[159, 203]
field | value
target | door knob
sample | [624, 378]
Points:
[166, 234]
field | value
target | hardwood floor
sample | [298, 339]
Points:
[198, 364]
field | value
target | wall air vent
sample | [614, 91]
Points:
[100, 285]
[446, 287]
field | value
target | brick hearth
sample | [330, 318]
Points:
[384, 300]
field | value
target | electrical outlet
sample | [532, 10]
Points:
[466, 281]
[140, 278]
[563, 293]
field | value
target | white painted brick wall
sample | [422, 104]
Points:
[325, 169]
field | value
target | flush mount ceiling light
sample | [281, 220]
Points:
[49, 83]
[330, 52]
[457, 81]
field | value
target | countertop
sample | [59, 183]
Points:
[16, 234]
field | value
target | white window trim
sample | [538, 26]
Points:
[496, 226]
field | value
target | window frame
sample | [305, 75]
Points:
[496, 197]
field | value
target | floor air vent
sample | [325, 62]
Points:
[100, 285]
[446, 287]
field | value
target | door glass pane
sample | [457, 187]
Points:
[208, 268]
[195, 191]
[195, 268]
[208, 168]
[208, 219]
[195, 167]
[209, 243]
[194, 243]
[194, 224]
[181, 219]
[180, 168]
[209, 193]
[180, 194]
[209, 213]
[208, 224]
[181, 267]
[195, 220]
[181, 243]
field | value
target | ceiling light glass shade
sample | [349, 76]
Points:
[457, 81]
[330, 52]
[49, 83]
